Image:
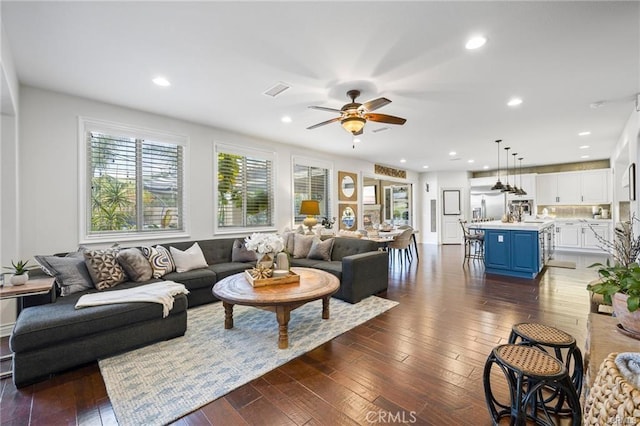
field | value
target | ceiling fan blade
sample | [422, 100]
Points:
[333, 120]
[374, 104]
[384, 118]
[321, 108]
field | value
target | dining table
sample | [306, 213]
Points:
[385, 237]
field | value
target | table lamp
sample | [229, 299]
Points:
[310, 208]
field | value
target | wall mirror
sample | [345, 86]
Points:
[347, 190]
[348, 220]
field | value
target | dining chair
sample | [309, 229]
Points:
[400, 246]
[473, 243]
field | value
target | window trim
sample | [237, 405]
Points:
[86, 124]
[311, 162]
[226, 148]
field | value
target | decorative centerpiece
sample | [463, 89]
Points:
[267, 246]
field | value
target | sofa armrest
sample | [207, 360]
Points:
[364, 274]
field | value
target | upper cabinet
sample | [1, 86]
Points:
[583, 187]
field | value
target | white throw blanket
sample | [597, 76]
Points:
[161, 292]
[629, 365]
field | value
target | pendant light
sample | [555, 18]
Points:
[522, 191]
[498, 185]
[515, 189]
[507, 187]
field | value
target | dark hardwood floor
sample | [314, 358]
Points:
[419, 363]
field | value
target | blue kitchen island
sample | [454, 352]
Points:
[518, 249]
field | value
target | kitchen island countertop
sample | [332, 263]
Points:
[530, 225]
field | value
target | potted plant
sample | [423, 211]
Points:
[20, 272]
[619, 284]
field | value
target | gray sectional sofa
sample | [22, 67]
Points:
[54, 337]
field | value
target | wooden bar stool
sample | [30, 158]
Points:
[551, 339]
[529, 372]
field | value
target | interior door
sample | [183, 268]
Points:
[451, 202]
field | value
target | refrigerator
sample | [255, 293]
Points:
[486, 204]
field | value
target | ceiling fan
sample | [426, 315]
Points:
[353, 116]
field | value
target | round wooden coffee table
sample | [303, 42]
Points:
[281, 298]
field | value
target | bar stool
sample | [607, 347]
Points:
[545, 337]
[528, 371]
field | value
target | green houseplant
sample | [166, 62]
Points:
[619, 284]
[20, 272]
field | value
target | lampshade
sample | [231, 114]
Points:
[310, 207]
[353, 124]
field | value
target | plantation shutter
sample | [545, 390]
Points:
[135, 185]
[244, 189]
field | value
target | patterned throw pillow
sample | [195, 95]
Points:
[135, 265]
[321, 250]
[104, 268]
[160, 260]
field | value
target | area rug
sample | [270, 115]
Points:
[562, 264]
[160, 383]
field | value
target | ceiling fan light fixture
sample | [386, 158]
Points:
[353, 124]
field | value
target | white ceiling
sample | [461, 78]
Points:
[559, 57]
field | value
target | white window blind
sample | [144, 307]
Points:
[244, 190]
[310, 183]
[135, 185]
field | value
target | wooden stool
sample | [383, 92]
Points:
[545, 337]
[529, 371]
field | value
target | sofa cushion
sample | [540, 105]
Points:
[333, 267]
[240, 253]
[70, 272]
[191, 258]
[104, 268]
[196, 278]
[305, 263]
[321, 250]
[52, 324]
[223, 270]
[349, 246]
[160, 259]
[215, 250]
[302, 245]
[135, 265]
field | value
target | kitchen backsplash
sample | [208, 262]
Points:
[573, 212]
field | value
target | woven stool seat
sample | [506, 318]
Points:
[531, 375]
[543, 334]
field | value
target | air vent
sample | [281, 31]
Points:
[277, 89]
[381, 129]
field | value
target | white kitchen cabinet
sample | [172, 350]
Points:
[526, 182]
[576, 235]
[584, 187]
[595, 187]
[568, 235]
[589, 239]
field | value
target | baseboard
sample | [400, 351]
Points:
[5, 329]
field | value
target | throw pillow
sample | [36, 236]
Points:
[302, 245]
[70, 272]
[320, 250]
[104, 268]
[160, 260]
[239, 253]
[289, 240]
[191, 258]
[135, 265]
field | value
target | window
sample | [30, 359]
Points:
[134, 182]
[244, 188]
[310, 182]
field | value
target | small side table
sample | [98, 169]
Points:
[33, 287]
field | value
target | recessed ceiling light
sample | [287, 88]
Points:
[475, 42]
[471, 161]
[402, 160]
[584, 133]
[286, 119]
[485, 167]
[161, 81]
[425, 167]
[452, 153]
[584, 146]
[356, 140]
[514, 102]
[584, 156]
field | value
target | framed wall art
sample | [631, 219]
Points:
[451, 202]
[347, 186]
